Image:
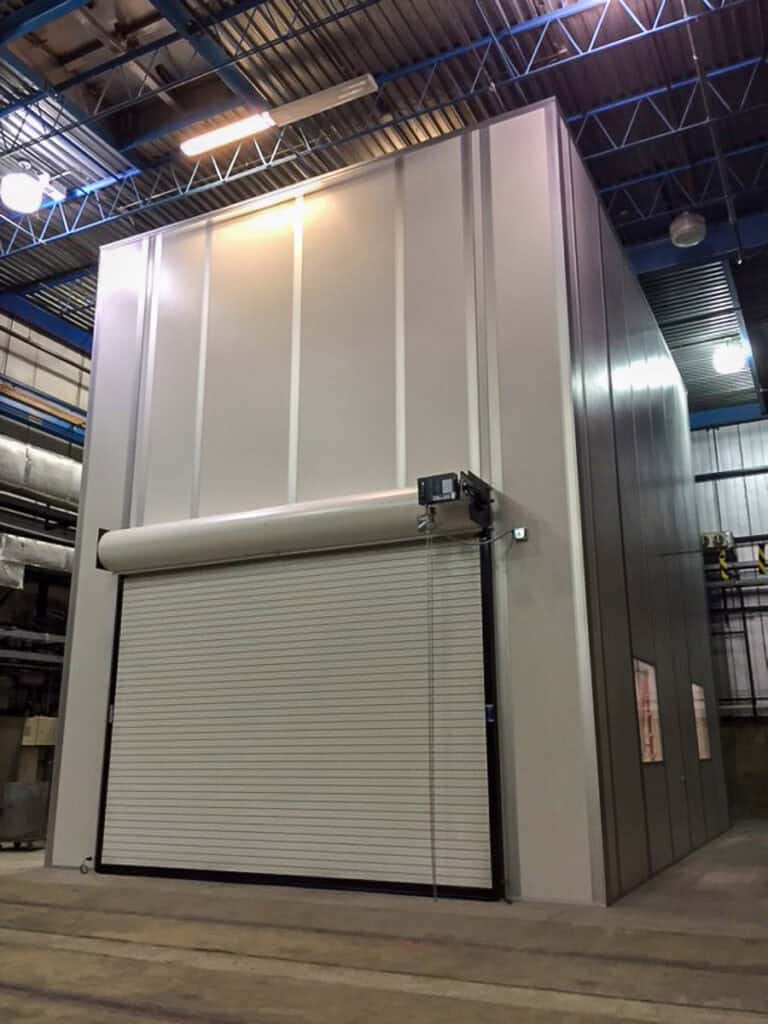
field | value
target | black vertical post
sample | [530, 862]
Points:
[752, 693]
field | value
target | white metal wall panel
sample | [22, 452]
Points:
[247, 363]
[273, 718]
[172, 401]
[438, 299]
[346, 422]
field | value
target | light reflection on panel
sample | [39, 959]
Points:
[346, 430]
[244, 457]
[173, 392]
[436, 415]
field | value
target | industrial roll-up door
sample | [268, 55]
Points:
[280, 718]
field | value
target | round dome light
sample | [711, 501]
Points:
[21, 192]
[730, 357]
[687, 229]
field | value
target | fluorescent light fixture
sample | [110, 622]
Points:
[228, 133]
[318, 102]
[287, 113]
[730, 357]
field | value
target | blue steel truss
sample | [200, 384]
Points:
[436, 85]
[686, 186]
[671, 109]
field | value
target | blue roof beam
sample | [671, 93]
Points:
[57, 280]
[21, 308]
[33, 16]
[197, 35]
[738, 88]
[726, 415]
[172, 181]
[721, 242]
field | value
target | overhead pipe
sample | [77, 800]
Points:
[39, 473]
[730, 474]
[16, 553]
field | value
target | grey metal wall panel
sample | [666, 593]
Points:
[230, 756]
[172, 406]
[548, 725]
[642, 554]
[435, 312]
[630, 395]
[347, 438]
[660, 540]
[107, 480]
[676, 558]
[603, 530]
[244, 444]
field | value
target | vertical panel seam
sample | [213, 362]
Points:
[400, 412]
[136, 497]
[295, 371]
[202, 362]
[470, 298]
[506, 740]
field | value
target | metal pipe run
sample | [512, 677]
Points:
[730, 474]
[35, 471]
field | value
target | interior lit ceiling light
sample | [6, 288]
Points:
[730, 357]
[687, 229]
[23, 191]
[287, 113]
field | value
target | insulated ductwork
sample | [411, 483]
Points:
[37, 472]
[16, 553]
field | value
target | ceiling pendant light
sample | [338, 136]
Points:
[687, 229]
[286, 113]
[23, 191]
[730, 357]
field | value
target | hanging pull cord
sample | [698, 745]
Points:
[427, 525]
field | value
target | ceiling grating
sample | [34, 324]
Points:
[697, 309]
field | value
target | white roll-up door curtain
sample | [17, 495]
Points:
[320, 718]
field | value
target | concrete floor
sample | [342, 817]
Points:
[691, 946]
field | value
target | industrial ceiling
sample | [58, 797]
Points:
[667, 100]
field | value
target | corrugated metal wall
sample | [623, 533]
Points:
[645, 577]
[739, 504]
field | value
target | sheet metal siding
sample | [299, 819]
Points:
[107, 478]
[545, 676]
[740, 505]
[639, 522]
[623, 809]
[310, 380]
[229, 755]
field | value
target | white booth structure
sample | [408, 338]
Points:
[272, 673]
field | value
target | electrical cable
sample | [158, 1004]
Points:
[430, 595]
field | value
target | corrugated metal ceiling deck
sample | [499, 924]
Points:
[697, 309]
[381, 36]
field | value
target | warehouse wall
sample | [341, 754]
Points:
[645, 576]
[32, 358]
[738, 504]
[407, 318]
